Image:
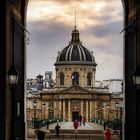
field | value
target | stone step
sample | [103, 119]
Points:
[69, 131]
[76, 137]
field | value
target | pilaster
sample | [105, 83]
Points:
[69, 111]
[64, 116]
[87, 115]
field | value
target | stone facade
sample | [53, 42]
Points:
[74, 92]
[83, 71]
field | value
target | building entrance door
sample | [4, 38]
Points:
[75, 115]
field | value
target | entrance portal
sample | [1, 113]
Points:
[75, 115]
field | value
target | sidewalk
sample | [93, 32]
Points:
[69, 126]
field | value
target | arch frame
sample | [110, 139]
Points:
[11, 8]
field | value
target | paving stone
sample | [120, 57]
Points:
[91, 131]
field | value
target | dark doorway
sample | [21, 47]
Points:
[75, 115]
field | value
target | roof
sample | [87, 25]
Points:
[75, 53]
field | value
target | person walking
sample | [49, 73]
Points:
[75, 124]
[57, 127]
[80, 119]
[84, 120]
[47, 123]
[40, 135]
[104, 125]
[107, 134]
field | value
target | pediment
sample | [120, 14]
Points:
[75, 89]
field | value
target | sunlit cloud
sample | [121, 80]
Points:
[88, 12]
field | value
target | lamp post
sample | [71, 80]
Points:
[121, 112]
[108, 106]
[43, 117]
[136, 80]
[13, 80]
[13, 77]
[136, 77]
[117, 105]
[34, 106]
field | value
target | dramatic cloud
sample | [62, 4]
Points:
[50, 23]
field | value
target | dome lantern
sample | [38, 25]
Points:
[75, 36]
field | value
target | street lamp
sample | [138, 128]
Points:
[136, 80]
[13, 77]
[108, 106]
[117, 105]
[121, 113]
[34, 106]
[136, 77]
[44, 111]
[13, 80]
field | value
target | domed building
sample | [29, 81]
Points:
[74, 92]
[75, 64]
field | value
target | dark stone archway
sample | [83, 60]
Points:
[13, 20]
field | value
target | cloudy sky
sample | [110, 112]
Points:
[50, 23]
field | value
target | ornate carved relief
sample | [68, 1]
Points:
[75, 105]
[75, 89]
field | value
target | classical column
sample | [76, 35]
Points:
[95, 105]
[69, 112]
[87, 109]
[55, 111]
[104, 111]
[60, 109]
[91, 108]
[82, 107]
[64, 110]
[46, 111]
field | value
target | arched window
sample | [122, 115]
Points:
[89, 77]
[75, 78]
[61, 79]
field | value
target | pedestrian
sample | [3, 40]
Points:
[75, 124]
[47, 123]
[57, 127]
[84, 120]
[40, 135]
[115, 125]
[80, 119]
[104, 125]
[107, 134]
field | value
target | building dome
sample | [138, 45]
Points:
[75, 53]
